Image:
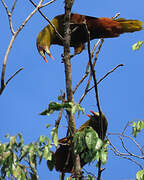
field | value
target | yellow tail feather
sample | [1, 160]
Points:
[130, 25]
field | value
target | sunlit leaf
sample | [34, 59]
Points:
[90, 139]
[12, 140]
[54, 136]
[103, 156]
[99, 144]
[17, 172]
[140, 175]
[137, 45]
[47, 153]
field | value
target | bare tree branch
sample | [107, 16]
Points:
[43, 5]
[97, 97]
[9, 15]
[95, 59]
[68, 78]
[14, 35]
[132, 139]
[124, 155]
[119, 65]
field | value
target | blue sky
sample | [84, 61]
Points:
[121, 94]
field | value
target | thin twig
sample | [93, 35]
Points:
[13, 6]
[119, 65]
[60, 113]
[125, 128]
[95, 46]
[95, 59]
[117, 14]
[59, 35]
[9, 16]
[43, 5]
[97, 96]
[78, 84]
[123, 155]
[128, 158]
[128, 137]
[13, 75]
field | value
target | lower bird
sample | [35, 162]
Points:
[63, 156]
[98, 28]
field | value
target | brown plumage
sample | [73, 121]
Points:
[98, 28]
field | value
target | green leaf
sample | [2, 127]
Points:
[54, 136]
[134, 132]
[23, 175]
[53, 106]
[33, 176]
[73, 108]
[90, 139]
[21, 139]
[133, 124]
[47, 153]
[137, 127]
[12, 140]
[42, 139]
[89, 177]
[17, 172]
[48, 125]
[137, 45]
[103, 156]
[51, 164]
[99, 144]
[140, 175]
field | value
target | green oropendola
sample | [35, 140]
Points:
[98, 28]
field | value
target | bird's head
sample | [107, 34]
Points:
[44, 40]
[48, 36]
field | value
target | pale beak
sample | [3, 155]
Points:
[42, 53]
[48, 52]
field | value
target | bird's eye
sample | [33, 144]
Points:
[40, 48]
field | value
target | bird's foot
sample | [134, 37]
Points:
[71, 56]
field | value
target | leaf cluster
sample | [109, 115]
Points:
[90, 146]
[140, 175]
[137, 127]
[137, 45]
[19, 161]
[68, 106]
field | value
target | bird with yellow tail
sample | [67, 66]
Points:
[98, 28]
[63, 156]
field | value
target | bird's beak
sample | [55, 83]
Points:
[89, 115]
[42, 53]
[48, 52]
[92, 113]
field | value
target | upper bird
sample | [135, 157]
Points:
[98, 28]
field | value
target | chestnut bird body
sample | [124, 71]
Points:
[98, 28]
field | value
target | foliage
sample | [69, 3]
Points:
[137, 127]
[19, 161]
[90, 146]
[89, 177]
[137, 45]
[140, 175]
[68, 106]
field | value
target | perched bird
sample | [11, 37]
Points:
[98, 28]
[63, 155]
